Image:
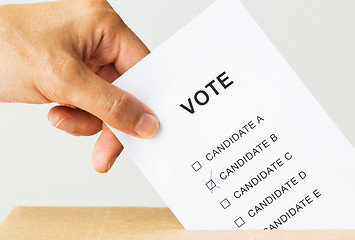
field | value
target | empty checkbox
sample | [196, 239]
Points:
[239, 222]
[225, 203]
[196, 166]
[210, 184]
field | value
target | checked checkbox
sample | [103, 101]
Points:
[210, 184]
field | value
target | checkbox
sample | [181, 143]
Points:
[196, 166]
[239, 222]
[225, 203]
[210, 184]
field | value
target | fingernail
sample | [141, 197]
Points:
[50, 116]
[65, 124]
[148, 126]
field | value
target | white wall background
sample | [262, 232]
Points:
[41, 166]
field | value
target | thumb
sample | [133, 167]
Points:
[111, 104]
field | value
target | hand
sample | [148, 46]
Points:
[69, 52]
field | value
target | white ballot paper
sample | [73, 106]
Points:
[243, 144]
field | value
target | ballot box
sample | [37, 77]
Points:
[112, 223]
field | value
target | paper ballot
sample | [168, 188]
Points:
[243, 144]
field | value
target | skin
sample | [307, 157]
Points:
[69, 52]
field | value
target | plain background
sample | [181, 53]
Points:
[42, 166]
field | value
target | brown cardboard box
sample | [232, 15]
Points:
[39, 223]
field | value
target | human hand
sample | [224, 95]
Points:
[69, 52]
